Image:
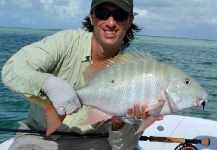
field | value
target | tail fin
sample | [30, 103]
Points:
[53, 120]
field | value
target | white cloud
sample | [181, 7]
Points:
[66, 10]
[154, 16]
[142, 13]
[170, 13]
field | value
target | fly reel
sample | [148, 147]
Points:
[185, 147]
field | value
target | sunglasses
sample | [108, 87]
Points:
[104, 14]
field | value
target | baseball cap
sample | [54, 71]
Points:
[126, 5]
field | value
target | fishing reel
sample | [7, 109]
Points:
[185, 146]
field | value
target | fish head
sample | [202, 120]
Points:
[183, 92]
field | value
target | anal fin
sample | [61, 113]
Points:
[145, 124]
[95, 116]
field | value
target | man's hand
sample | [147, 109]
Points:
[62, 94]
[134, 112]
[137, 113]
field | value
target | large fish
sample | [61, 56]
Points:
[134, 77]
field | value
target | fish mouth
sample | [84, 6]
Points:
[202, 100]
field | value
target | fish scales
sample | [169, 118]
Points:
[121, 87]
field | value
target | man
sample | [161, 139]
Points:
[54, 66]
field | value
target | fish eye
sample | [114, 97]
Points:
[187, 81]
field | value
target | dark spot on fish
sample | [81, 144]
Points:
[112, 81]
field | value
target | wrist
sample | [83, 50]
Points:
[117, 124]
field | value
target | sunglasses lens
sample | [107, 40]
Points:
[119, 15]
[102, 14]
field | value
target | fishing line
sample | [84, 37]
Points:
[176, 128]
[71, 134]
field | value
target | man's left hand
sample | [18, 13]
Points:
[132, 111]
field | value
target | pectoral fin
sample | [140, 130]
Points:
[156, 106]
[95, 116]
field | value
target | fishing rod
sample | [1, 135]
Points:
[203, 141]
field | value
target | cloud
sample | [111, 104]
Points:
[170, 13]
[167, 17]
[49, 13]
[142, 13]
[64, 9]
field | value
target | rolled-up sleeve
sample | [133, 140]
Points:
[125, 138]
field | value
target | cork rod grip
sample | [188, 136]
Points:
[204, 141]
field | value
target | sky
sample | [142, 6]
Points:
[195, 19]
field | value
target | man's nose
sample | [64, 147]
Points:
[110, 22]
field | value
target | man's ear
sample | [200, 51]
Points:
[131, 19]
[91, 18]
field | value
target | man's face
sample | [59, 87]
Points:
[110, 32]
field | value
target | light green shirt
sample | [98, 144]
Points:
[65, 54]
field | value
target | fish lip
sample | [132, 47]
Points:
[202, 100]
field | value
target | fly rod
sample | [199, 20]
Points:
[203, 141]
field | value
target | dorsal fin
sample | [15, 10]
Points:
[128, 57]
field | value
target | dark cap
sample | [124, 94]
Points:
[126, 5]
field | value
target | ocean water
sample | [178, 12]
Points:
[196, 57]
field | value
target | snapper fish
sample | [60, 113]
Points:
[134, 77]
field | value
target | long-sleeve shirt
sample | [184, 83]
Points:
[65, 54]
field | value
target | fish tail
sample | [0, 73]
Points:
[53, 120]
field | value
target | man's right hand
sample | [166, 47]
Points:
[62, 94]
